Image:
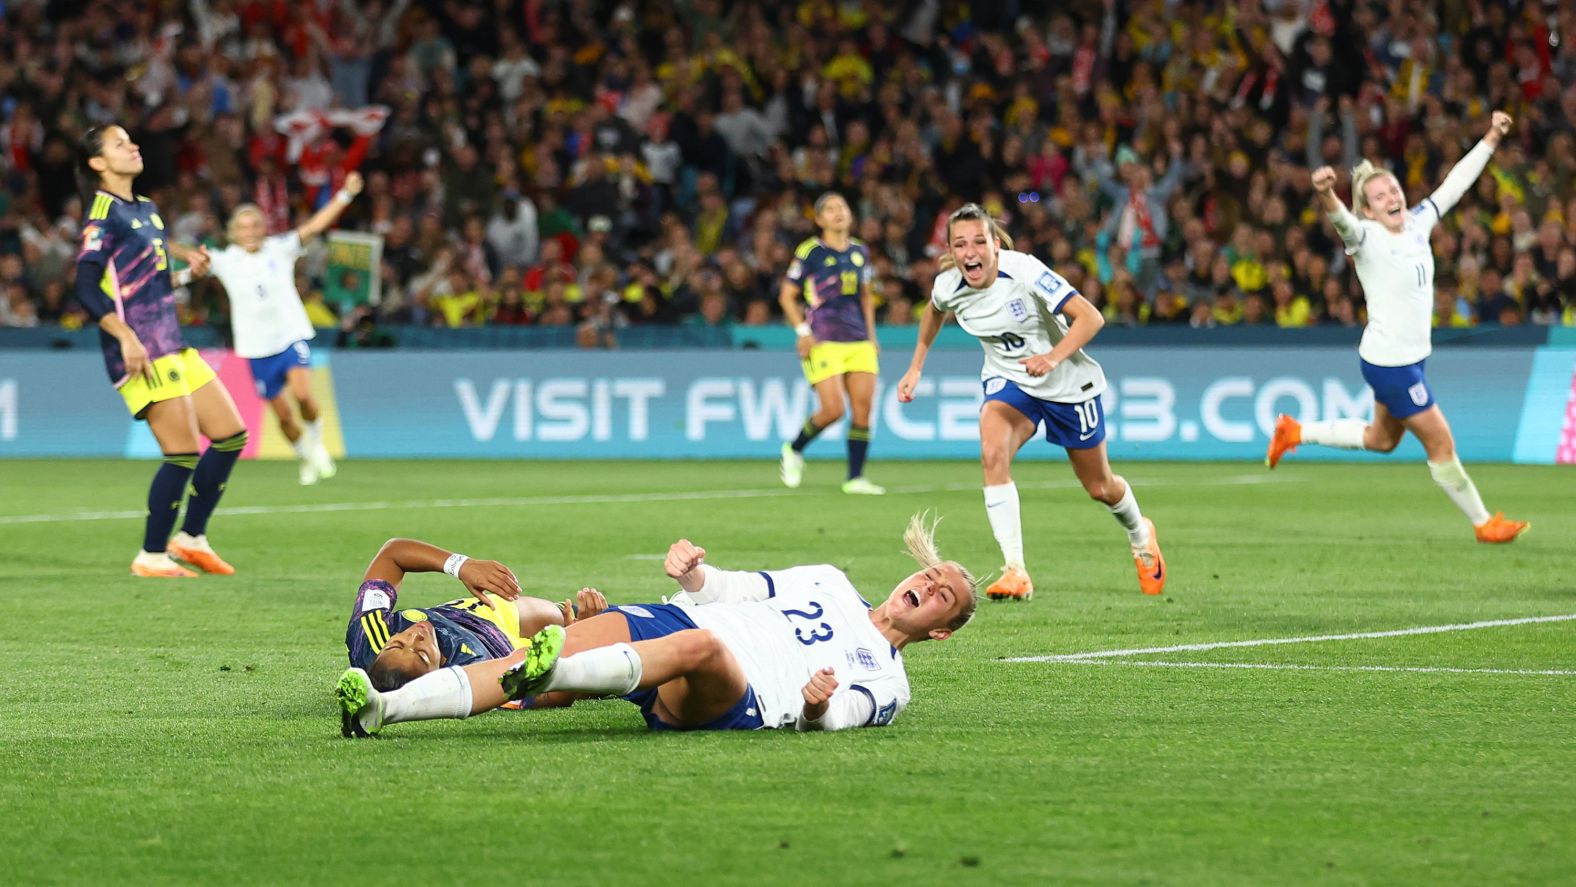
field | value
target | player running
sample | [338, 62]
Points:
[739, 651]
[269, 325]
[1389, 244]
[123, 281]
[395, 646]
[837, 338]
[1033, 326]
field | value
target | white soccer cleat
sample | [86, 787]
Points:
[791, 470]
[309, 474]
[859, 486]
[323, 462]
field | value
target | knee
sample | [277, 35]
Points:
[698, 647]
[995, 460]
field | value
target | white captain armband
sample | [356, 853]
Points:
[375, 599]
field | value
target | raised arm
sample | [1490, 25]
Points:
[929, 326]
[325, 218]
[1467, 170]
[685, 564]
[400, 556]
[1335, 209]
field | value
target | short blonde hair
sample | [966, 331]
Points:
[1362, 174]
[975, 212]
[235, 217]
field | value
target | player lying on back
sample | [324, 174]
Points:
[1389, 244]
[740, 651]
[396, 645]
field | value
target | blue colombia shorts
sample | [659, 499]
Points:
[270, 373]
[1402, 390]
[649, 621]
[1073, 426]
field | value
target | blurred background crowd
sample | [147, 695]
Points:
[602, 163]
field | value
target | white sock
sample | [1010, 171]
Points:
[314, 431]
[445, 693]
[612, 671]
[1345, 434]
[1132, 520]
[300, 446]
[1452, 478]
[1001, 506]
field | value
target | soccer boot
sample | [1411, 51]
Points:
[859, 486]
[360, 706]
[1288, 434]
[1499, 529]
[1014, 585]
[196, 551]
[791, 469]
[323, 462]
[530, 675]
[157, 565]
[309, 475]
[1151, 563]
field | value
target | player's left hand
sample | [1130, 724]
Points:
[1039, 365]
[481, 577]
[354, 183]
[818, 693]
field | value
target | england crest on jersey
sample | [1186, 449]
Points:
[1019, 310]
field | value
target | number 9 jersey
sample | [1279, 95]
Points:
[123, 268]
[783, 625]
[1017, 316]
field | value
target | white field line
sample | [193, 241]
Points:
[1309, 639]
[1282, 666]
[535, 501]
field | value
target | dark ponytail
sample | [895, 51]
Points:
[89, 146]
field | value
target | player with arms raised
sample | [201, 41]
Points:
[1389, 244]
[744, 650]
[1033, 326]
[268, 323]
[827, 299]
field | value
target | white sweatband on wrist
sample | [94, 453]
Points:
[344, 196]
[802, 329]
[180, 278]
[454, 563]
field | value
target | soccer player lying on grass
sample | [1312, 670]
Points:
[395, 646]
[737, 651]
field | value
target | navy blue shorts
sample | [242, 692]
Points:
[649, 621]
[1402, 390]
[271, 373]
[1073, 426]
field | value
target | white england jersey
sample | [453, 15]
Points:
[266, 314]
[1018, 316]
[783, 625]
[1397, 270]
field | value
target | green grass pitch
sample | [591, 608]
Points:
[183, 732]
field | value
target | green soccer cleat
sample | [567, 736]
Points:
[858, 486]
[530, 675]
[360, 706]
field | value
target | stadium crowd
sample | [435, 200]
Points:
[607, 163]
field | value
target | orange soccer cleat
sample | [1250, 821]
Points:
[157, 565]
[1498, 529]
[1014, 585]
[1288, 434]
[1151, 563]
[196, 551]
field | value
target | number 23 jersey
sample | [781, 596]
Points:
[812, 618]
[1017, 316]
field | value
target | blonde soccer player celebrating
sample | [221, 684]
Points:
[1033, 326]
[1389, 244]
[269, 324]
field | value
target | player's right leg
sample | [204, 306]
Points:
[1444, 464]
[299, 381]
[829, 408]
[174, 425]
[1003, 431]
[291, 429]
